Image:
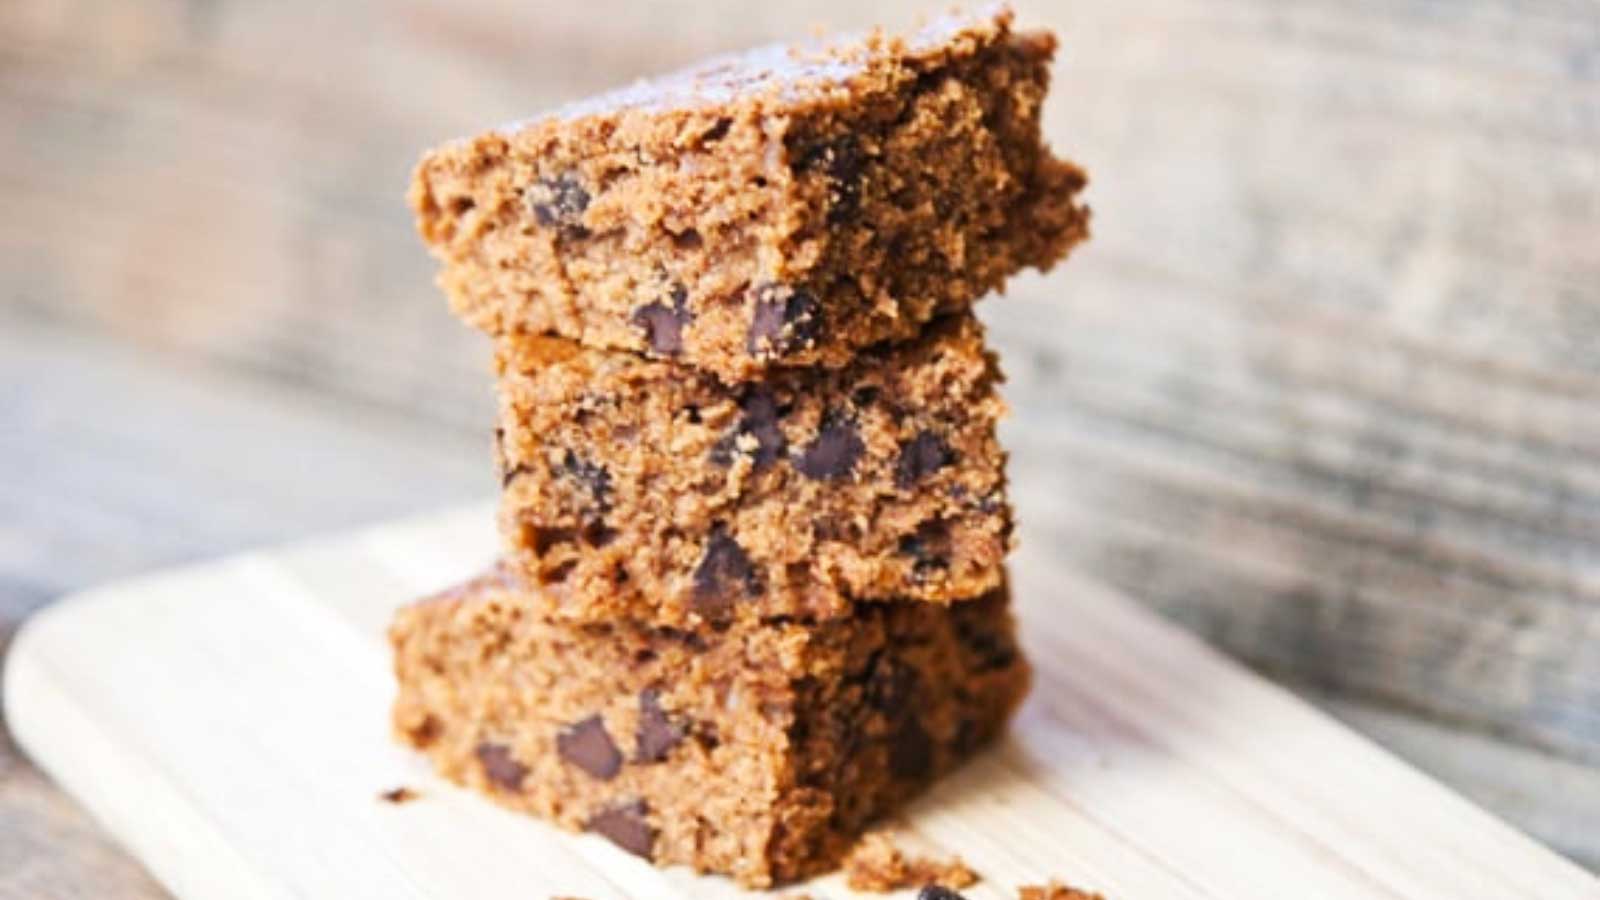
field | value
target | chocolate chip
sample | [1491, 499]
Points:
[758, 418]
[835, 451]
[586, 745]
[865, 396]
[543, 538]
[596, 533]
[626, 826]
[843, 161]
[844, 169]
[592, 475]
[724, 572]
[663, 323]
[937, 892]
[559, 202]
[911, 750]
[501, 768]
[922, 456]
[718, 131]
[658, 733]
[785, 319]
[928, 546]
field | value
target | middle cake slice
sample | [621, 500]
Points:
[642, 490]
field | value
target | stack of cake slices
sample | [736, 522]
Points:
[753, 593]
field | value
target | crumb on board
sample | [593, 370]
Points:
[1055, 890]
[398, 795]
[875, 864]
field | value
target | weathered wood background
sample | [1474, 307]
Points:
[1325, 387]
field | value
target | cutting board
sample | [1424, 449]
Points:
[228, 723]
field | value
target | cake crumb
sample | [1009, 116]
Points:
[398, 795]
[875, 864]
[1055, 890]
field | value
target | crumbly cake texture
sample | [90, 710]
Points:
[877, 865]
[640, 489]
[759, 751]
[785, 206]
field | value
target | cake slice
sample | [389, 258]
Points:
[643, 490]
[758, 751]
[784, 206]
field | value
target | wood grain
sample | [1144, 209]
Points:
[1320, 390]
[226, 721]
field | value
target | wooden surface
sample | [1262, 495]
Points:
[1321, 390]
[247, 761]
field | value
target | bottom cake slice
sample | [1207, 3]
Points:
[759, 750]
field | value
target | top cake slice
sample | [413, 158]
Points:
[784, 206]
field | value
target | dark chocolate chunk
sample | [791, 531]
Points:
[922, 456]
[658, 733]
[911, 750]
[626, 826]
[501, 768]
[843, 161]
[596, 533]
[928, 546]
[937, 892]
[545, 538]
[592, 475]
[785, 319]
[718, 131]
[724, 573]
[845, 166]
[663, 323]
[586, 745]
[758, 418]
[835, 451]
[559, 202]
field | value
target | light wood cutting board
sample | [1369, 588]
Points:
[228, 722]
